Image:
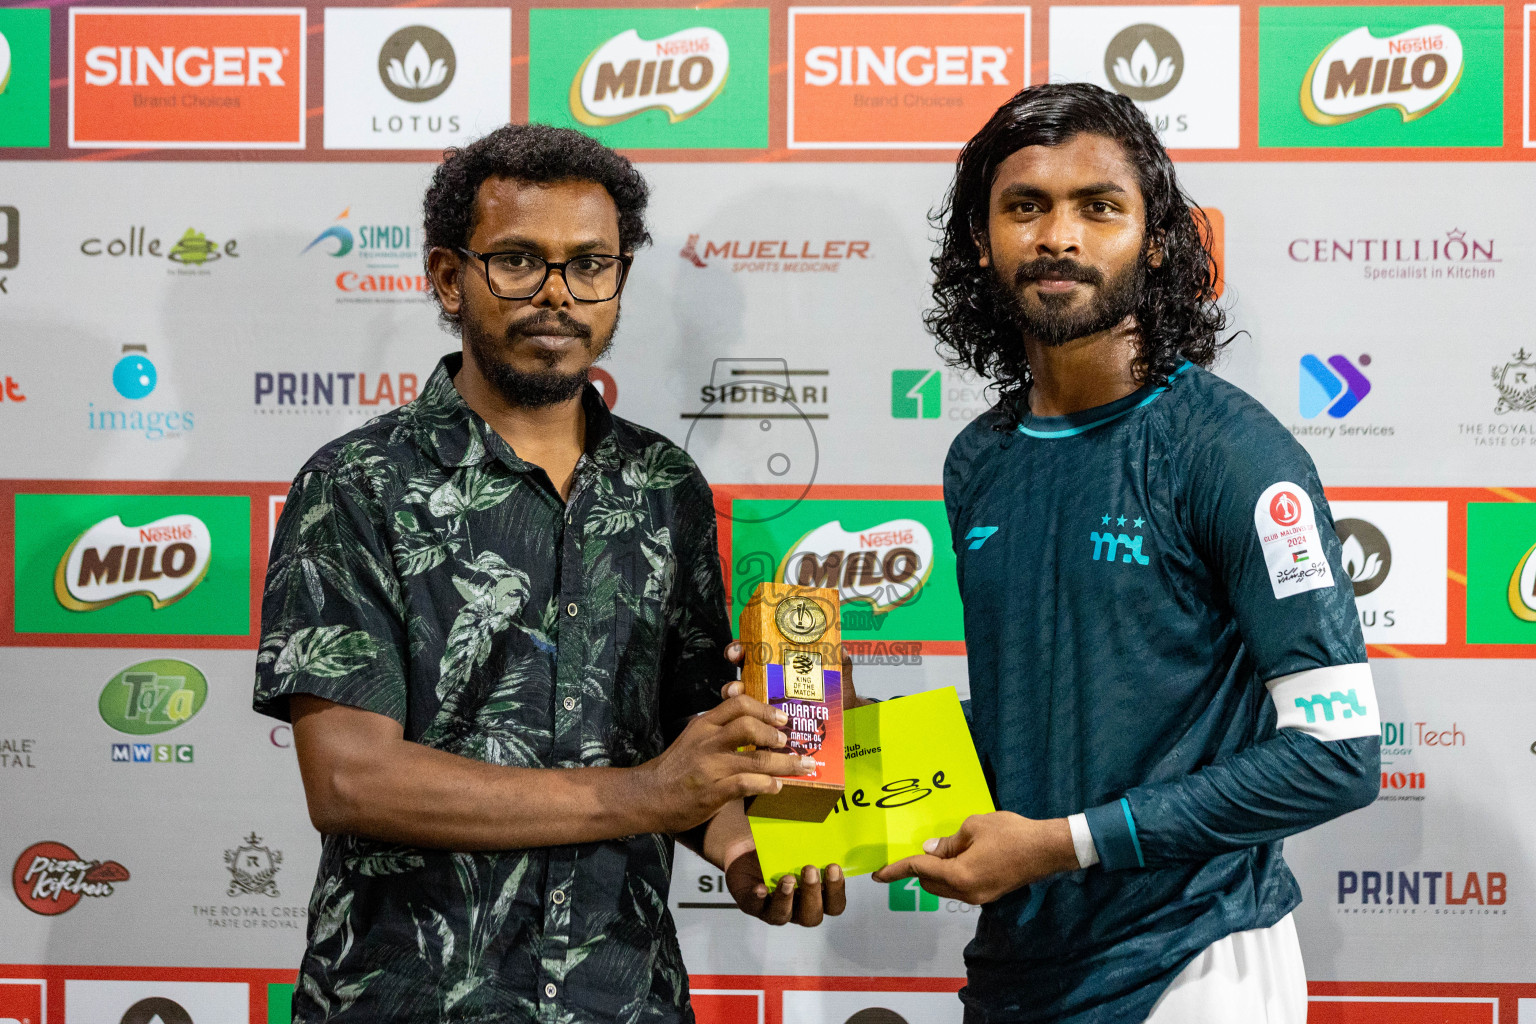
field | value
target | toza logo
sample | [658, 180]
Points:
[1516, 382]
[164, 560]
[153, 697]
[1337, 386]
[1351, 702]
[1412, 72]
[1144, 62]
[681, 73]
[416, 64]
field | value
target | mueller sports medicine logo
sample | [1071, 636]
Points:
[901, 77]
[882, 567]
[227, 78]
[680, 73]
[1412, 72]
[775, 256]
[163, 560]
[1422, 892]
[49, 878]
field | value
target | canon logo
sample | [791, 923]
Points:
[189, 65]
[912, 65]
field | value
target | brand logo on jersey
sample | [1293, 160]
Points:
[979, 536]
[164, 560]
[1107, 545]
[680, 73]
[1337, 386]
[1351, 705]
[1412, 72]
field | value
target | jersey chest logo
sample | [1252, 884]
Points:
[1108, 544]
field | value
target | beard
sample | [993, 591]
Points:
[538, 388]
[1054, 322]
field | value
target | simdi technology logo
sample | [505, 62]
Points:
[143, 564]
[901, 77]
[648, 78]
[187, 78]
[24, 53]
[1381, 76]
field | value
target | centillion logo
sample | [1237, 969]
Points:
[164, 560]
[681, 73]
[1522, 586]
[1412, 72]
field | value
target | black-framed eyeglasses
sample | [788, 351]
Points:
[595, 277]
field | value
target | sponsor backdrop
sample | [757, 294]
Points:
[210, 265]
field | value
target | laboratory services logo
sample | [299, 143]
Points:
[370, 261]
[420, 78]
[192, 78]
[135, 379]
[1395, 555]
[1501, 572]
[1180, 65]
[10, 243]
[775, 256]
[1381, 76]
[1328, 391]
[1432, 893]
[157, 1002]
[191, 253]
[650, 78]
[357, 393]
[25, 49]
[901, 77]
[153, 696]
[49, 878]
[22, 999]
[1456, 256]
[144, 564]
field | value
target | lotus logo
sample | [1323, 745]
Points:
[1336, 386]
[163, 560]
[680, 73]
[5, 62]
[1522, 586]
[884, 566]
[416, 64]
[1367, 556]
[1412, 72]
[1144, 62]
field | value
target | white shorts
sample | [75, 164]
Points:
[1252, 977]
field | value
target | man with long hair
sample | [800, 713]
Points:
[1166, 666]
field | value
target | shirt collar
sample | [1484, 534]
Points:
[454, 435]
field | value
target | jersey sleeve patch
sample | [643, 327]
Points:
[1333, 703]
[1293, 550]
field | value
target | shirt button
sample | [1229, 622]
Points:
[558, 896]
[549, 991]
[570, 609]
[570, 703]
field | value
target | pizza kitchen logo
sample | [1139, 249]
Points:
[775, 256]
[50, 878]
[680, 74]
[1412, 72]
[164, 560]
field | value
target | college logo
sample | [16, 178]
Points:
[1287, 529]
[1501, 572]
[1381, 76]
[227, 78]
[191, 249]
[49, 878]
[901, 77]
[775, 256]
[1516, 383]
[1335, 387]
[132, 564]
[652, 78]
[1421, 889]
[25, 50]
[382, 261]
[153, 697]
[417, 78]
[253, 868]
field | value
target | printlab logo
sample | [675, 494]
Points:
[358, 393]
[653, 78]
[775, 257]
[1144, 62]
[153, 696]
[415, 79]
[381, 260]
[916, 394]
[24, 57]
[909, 895]
[1366, 555]
[1516, 384]
[1335, 387]
[253, 868]
[1398, 76]
[416, 64]
[50, 878]
[1426, 892]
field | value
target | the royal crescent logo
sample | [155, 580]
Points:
[1144, 62]
[883, 567]
[1335, 387]
[1366, 554]
[50, 878]
[1516, 384]
[681, 73]
[416, 64]
[253, 868]
[163, 560]
[1412, 72]
[1349, 705]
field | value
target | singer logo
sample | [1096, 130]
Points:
[187, 78]
[901, 77]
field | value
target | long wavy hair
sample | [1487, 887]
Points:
[1177, 317]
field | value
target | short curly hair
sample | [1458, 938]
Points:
[1178, 317]
[534, 153]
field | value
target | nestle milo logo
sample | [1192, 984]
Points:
[153, 696]
[163, 560]
[679, 73]
[883, 567]
[1310, 705]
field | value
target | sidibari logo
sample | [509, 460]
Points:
[1412, 72]
[163, 560]
[1335, 387]
[681, 73]
[1144, 62]
[153, 696]
[883, 567]
[49, 878]
[1366, 555]
[416, 64]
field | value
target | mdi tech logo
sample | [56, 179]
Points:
[651, 78]
[1381, 76]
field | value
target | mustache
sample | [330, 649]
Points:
[555, 321]
[1045, 266]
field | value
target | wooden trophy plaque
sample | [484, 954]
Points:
[793, 662]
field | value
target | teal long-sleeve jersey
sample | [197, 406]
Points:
[1159, 634]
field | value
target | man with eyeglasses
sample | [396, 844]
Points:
[495, 618]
